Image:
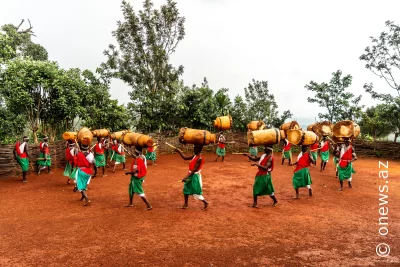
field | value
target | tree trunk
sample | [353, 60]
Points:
[395, 137]
[35, 136]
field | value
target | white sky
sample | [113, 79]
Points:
[287, 43]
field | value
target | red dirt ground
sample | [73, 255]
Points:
[43, 223]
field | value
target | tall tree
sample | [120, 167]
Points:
[334, 98]
[374, 122]
[222, 101]
[261, 104]
[383, 59]
[239, 114]
[146, 41]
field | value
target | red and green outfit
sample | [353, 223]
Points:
[44, 155]
[83, 172]
[325, 151]
[220, 149]
[263, 182]
[99, 158]
[301, 177]
[314, 151]
[193, 185]
[287, 151]
[70, 161]
[22, 157]
[118, 154]
[345, 167]
[151, 154]
[136, 183]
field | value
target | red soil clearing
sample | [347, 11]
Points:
[43, 223]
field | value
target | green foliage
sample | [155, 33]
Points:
[261, 105]
[374, 122]
[239, 114]
[222, 102]
[335, 99]
[146, 40]
[383, 59]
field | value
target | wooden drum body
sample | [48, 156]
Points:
[256, 125]
[85, 136]
[223, 123]
[196, 137]
[101, 133]
[264, 137]
[300, 137]
[137, 140]
[70, 136]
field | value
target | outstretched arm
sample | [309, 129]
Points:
[183, 156]
[253, 158]
[267, 165]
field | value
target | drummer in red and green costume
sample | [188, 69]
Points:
[345, 167]
[44, 156]
[151, 154]
[118, 154]
[286, 151]
[221, 147]
[325, 146]
[22, 157]
[301, 177]
[193, 180]
[83, 173]
[99, 158]
[314, 152]
[138, 173]
[263, 182]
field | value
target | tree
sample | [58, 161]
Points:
[222, 101]
[27, 86]
[374, 122]
[146, 41]
[383, 59]
[239, 114]
[335, 99]
[261, 105]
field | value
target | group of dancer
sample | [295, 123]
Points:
[80, 158]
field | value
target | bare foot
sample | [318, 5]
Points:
[340, 189]
[205, 206]
[149, 208]
[104, 175]
[24, 181]
[183, 207]
[275, 204]
[296, 197]
[128, 206]
[253, 206]
[87, 203]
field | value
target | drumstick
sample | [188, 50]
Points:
[173, 147]
[234, 153]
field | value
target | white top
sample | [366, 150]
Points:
[22, 147]
[299, 156]
[90, 157]
[120, 148]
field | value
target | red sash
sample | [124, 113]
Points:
[325, 147]
[221, 145]
[68, 156]
[115, 148]
[347, 156]
[192, 163]
[314, 147]
[22, 155]
[44, 149]
[286, 147]
[150, 149]
[98, 149]
[263, 163]
[303, 162]
[141, 167]
[83, 163]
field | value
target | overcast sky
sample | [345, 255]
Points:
[287, 43]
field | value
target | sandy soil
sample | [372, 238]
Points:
[43, 223]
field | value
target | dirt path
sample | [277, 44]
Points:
[43, 223]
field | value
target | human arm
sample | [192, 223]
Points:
[183, 156]
[264, 167]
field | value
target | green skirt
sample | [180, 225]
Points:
[46, 162]
[220, 151]
[100, 160]
[118, 158]
[253, 151]
[325, 156]
[151, 156]
[314, 155]
[193, 185]
[346, 173]
[302, 178]
[136, 186]
[73, 173]
[287, 154]
[67, 170]
[263, 185]
[23, 162]
[82, 179]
